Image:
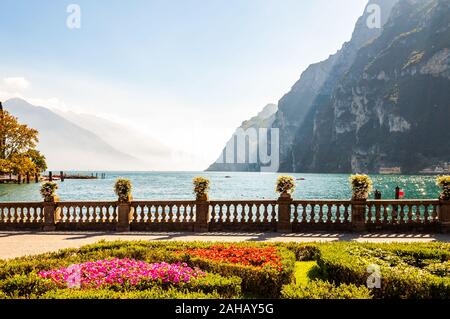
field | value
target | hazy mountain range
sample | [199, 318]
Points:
[380, 101]
[72, 141]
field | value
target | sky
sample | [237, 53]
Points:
[186, 72]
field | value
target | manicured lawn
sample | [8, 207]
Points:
[177, 270]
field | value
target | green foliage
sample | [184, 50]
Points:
[285, 185]
[400, 268]
[25, 285]
[123, 188]
[325, 290]
[153, 293]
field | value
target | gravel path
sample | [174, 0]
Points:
[17, 244]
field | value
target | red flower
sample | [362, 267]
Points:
[247, 256]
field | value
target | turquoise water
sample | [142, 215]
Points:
[171, 185]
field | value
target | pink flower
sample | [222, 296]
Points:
[110, 272]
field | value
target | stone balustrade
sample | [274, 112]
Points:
[283, 215]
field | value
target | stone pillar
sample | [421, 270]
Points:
[359, 215]
[444, 215]
[124, 212]
[49, 216]
[284, 214]
[202, 215]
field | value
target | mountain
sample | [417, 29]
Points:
[66, 145]
[381, 101]
[316, 85]
[391, 108]
[263, 119]
[124, 138]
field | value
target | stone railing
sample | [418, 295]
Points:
[283, 215]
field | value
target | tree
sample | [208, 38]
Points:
[17, 147]
[38, 160]
[16, 138]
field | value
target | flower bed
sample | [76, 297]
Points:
[177, 270]
[264, 270]
[246, 256]
[123, 272]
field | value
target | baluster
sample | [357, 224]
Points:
[222, 217]
[410, 213]
[434, 214]
[274, 213]
[329, 214]
[295, 220]
[338, 215]
[377, 214]
[169, 213]
[320, 213]
[303, 214]
[265, 214]
[251, 213]
[257, 216]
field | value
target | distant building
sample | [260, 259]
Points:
[390, 170]
[444, 169]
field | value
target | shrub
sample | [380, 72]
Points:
[123, 189]
[285, 185]
[201, 187]
[25, 285]
[48, 191]
[444, 183]
[154, 293]
[302, 252]
[348, 264]
[325, 290]
[361, 186]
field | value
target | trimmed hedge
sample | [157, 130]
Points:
[401, 276]
[154, 293]
[325, 290]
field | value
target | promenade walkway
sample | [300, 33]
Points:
[17, 244]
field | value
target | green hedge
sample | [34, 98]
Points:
[154, 293]
[401, 274]
[325, 290]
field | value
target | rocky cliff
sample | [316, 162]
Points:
[380, 101]
[391, 108]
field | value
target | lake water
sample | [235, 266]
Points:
[178, 185]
